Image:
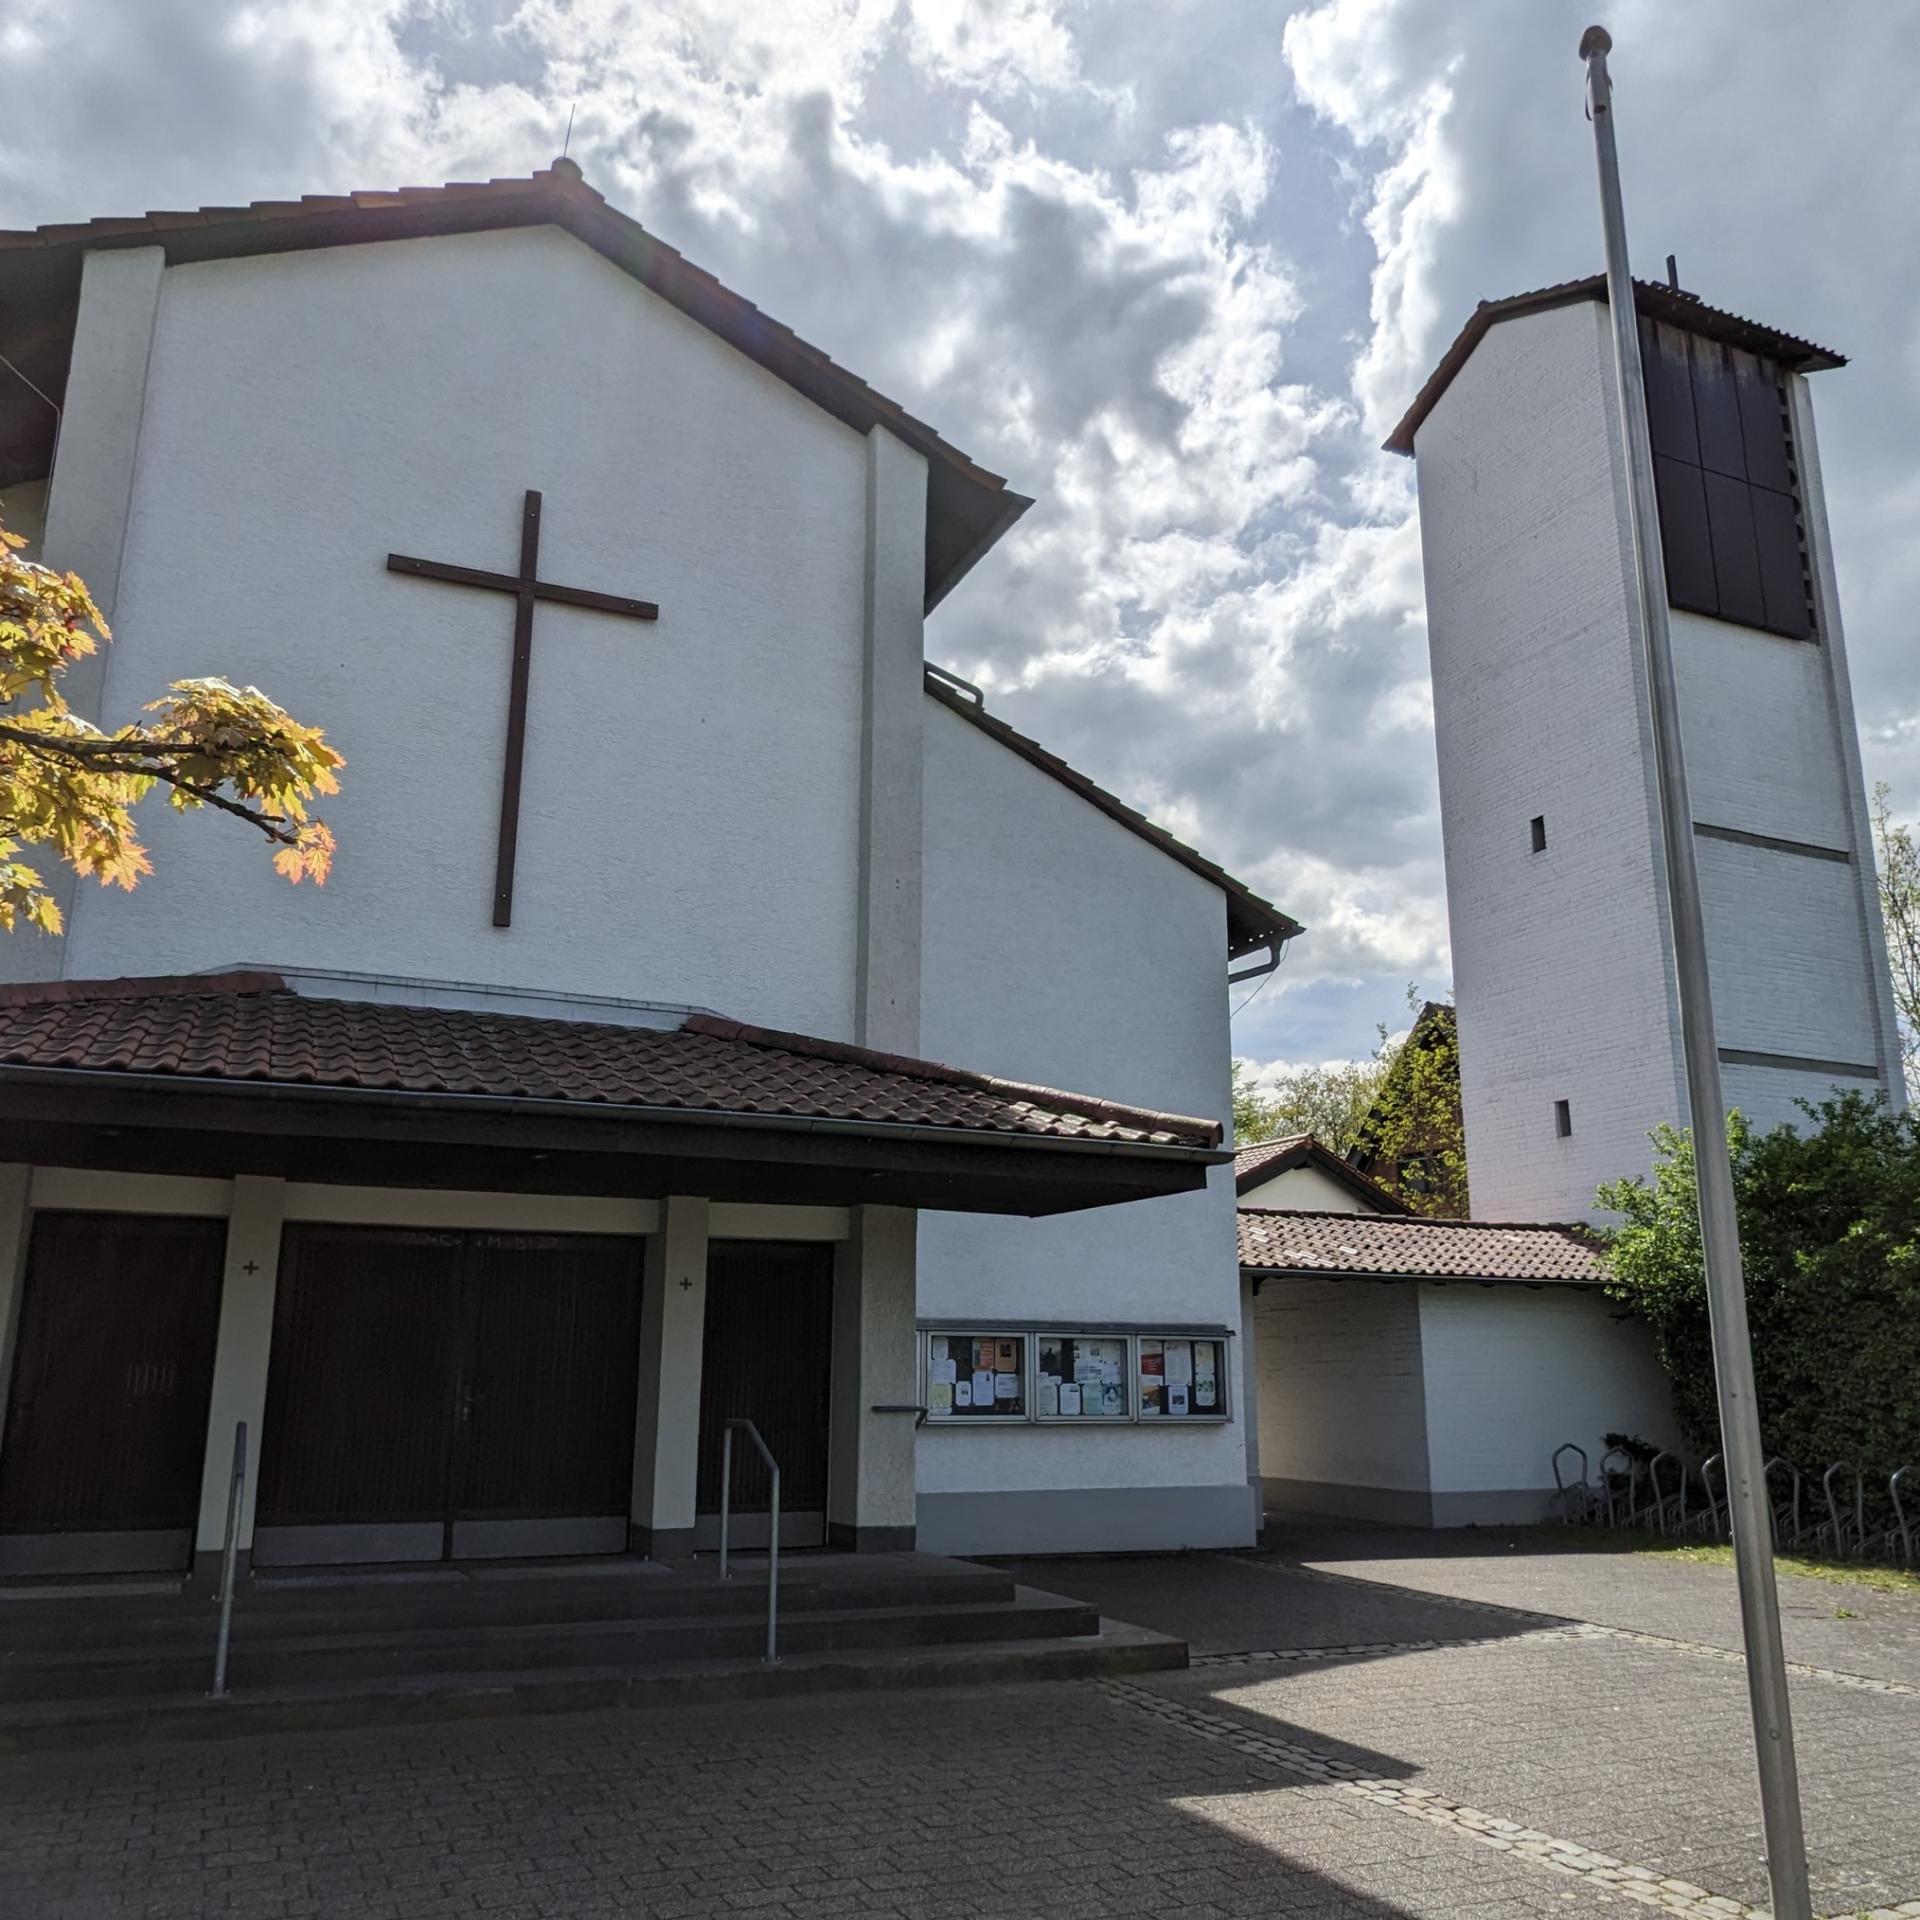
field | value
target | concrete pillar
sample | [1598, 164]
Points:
[871, 1493]
[90, 498]
[887, 965]
[1248, 1406]
[241, 1351]
[15, 1216]
[673, 1324]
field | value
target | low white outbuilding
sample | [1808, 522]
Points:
[1422, 1372]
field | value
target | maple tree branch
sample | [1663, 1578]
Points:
[82, 750]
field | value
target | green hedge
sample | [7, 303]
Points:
[1830, 1234]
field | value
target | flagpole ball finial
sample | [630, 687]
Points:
[1595, 40]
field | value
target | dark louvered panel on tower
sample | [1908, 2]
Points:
[1724, 472]
[107, 1413]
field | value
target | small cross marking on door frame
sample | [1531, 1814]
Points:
[252, 1266]
[686, 1286]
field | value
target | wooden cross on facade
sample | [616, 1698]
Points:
[526, 587]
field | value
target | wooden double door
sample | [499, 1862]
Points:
[439, 1395]
[106, 1425]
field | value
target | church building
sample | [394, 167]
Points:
[681, 1033]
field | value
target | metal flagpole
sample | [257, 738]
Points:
[1747, 1501]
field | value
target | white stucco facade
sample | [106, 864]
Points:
[689, 778]
[1061, 946]
[1562, 972]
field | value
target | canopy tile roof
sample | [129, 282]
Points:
[250, 1028]
[1299, 1244]
[1654, 302]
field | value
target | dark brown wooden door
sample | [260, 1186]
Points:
[768, 1358]
[361, 1396]
[434, 1394]
[106, 1425]
[546, 1431]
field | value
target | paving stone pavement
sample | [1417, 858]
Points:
[1533, 1705]
[1401, 1730]
[1826, 1625]
[995, 1803]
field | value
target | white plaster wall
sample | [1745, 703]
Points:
[23, 510]
[1061, 948]
[1759, 727]
[1559, 958]
[689, 823]
[1769, 1097]
[1307, 1189]
[1341, 1384]
[1511, 1372]
[1784, 953]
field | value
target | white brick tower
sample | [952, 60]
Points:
[1563, 970]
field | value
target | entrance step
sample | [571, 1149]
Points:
[1112, 1648]
[271, 1651]
[340, 1602]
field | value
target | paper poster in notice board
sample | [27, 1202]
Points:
[1153, 1379]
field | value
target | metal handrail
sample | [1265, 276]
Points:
[229, 1557]
[773, 1537]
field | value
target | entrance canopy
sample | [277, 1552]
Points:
[239, 1073]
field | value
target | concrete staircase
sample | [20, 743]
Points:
[98, 1663]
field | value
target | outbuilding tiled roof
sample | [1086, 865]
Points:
[1653, 300]
[248, 1027]
[1276, 1240]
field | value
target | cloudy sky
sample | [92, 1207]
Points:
[1174, 267]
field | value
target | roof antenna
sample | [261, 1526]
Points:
[568, 141]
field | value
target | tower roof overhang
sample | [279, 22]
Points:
[1655, 302]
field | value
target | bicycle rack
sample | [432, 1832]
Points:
[1716, 1502]
[1846, 1539]
[1659, 1502]
[1575, 1497]
[1786, 1514]
[1607, 1472]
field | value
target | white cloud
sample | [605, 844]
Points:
[1173, 270]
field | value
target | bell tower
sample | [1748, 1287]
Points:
[1563, 968]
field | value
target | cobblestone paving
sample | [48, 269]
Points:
[1628, 1739]
[1682, 1599]
[1401, 1730]
[997, 1803]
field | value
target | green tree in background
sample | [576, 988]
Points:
[1830, 1235]
[1328, 1101]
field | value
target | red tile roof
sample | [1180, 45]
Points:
[1655, 302]
[1276, 1240]
[968, 507]
[1263, 1160]
[250, 1028]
